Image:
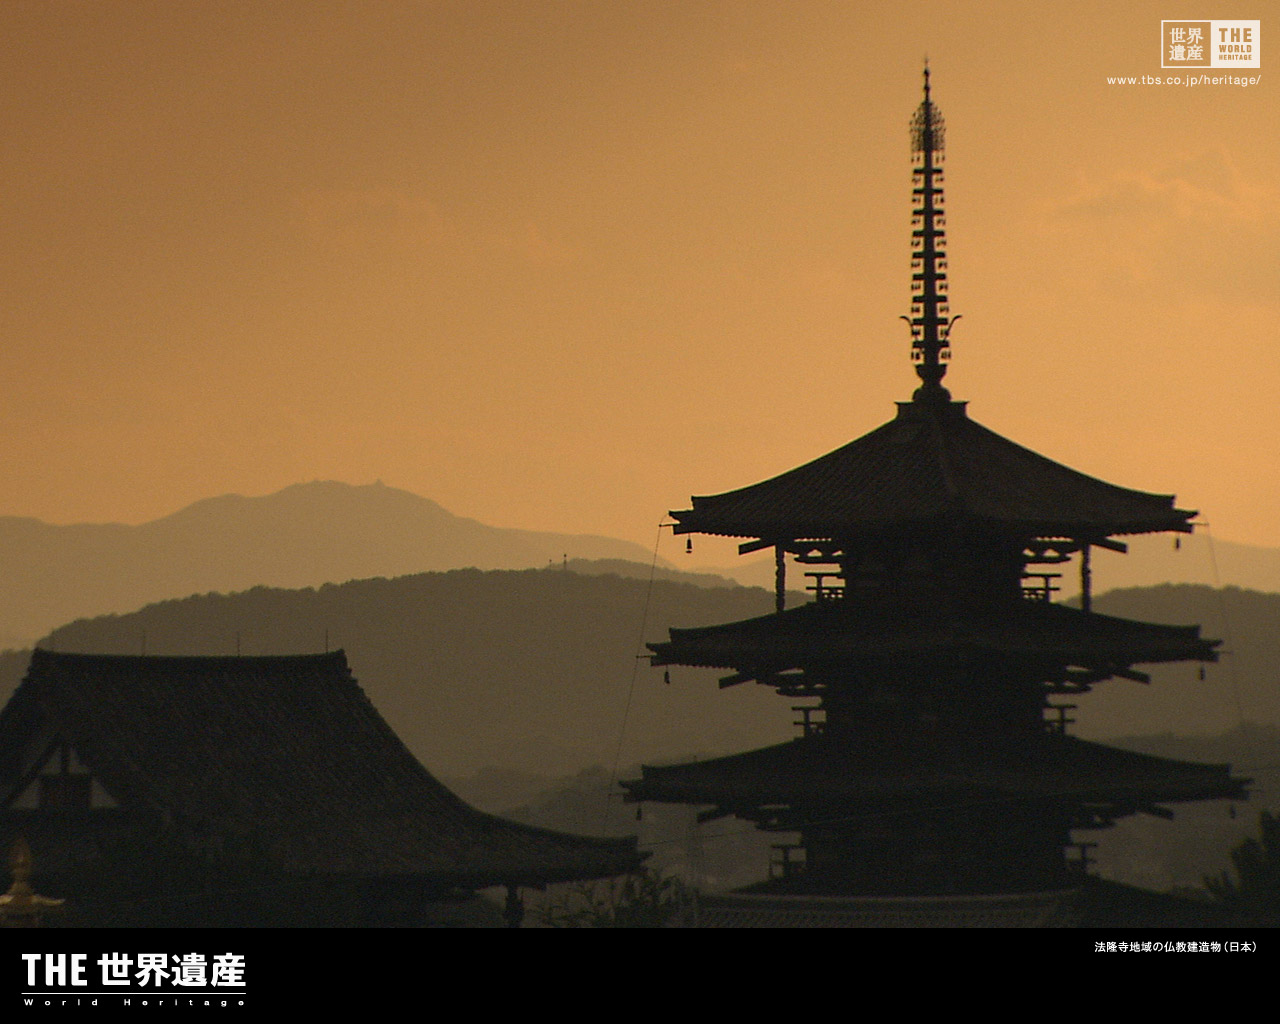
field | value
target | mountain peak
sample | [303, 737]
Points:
[322, 497]
[304, 535]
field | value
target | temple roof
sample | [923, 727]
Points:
[812, 770]
[890, 628]
[283, 755]
[931, 465]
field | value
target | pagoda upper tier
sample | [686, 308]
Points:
[930, 467]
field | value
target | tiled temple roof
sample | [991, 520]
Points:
[282, 755]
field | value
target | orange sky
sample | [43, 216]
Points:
[559, 265]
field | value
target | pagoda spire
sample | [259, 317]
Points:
[930, 321]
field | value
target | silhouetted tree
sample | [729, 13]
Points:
[1256, 893]
[643, 899]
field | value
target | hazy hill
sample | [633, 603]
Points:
[302, 536]
[643, 570]
[1154, 559]
[1243, 686]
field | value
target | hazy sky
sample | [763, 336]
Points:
[560, 265]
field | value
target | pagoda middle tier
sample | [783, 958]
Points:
[836, 642]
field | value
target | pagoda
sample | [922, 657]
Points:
[933, 764]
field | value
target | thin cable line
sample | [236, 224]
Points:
[1226, 628]
[635, 672]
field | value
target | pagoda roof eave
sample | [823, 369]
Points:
[807, 771]
[775, 532]
[931, 466]
[855, 631]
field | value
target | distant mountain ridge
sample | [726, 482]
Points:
[303, 536]
[322, 532]
[536, 670]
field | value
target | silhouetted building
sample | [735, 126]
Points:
[935, 781]
[255, 790]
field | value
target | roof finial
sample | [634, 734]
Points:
[930, 320]
[22, 906]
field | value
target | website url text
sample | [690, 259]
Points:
[1189, 81]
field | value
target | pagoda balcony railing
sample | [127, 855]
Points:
[1058, 725]
[824, 592]
[1082, 860]
[1044, 589]
[812, 721]
[786, 860]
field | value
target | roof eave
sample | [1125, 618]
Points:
[709, 524]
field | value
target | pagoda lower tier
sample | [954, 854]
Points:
[928, 767]
[932, 818]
